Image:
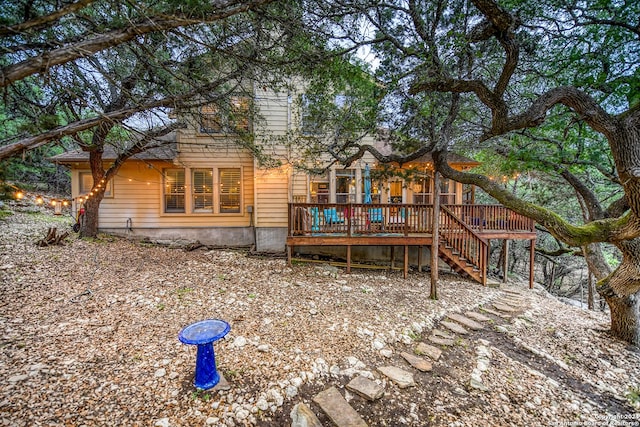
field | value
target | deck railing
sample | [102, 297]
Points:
[377, 218]
[491, 217]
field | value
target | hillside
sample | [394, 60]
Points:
[89, 337]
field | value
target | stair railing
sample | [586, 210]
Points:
[457, 235]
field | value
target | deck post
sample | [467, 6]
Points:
[505, 261]
[420, 259]
[289, 251]
[532, 255]
[348, 259]
[406, 261]
[393, 257]
[435, 239]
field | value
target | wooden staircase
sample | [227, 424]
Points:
[461, 248]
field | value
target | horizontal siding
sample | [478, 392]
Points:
[272, 197]
[272, 111]
[137, 195]
[300, 188]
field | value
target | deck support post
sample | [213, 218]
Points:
[393, 257]
[289, 252]
[435, 239]
[420, 259]
[348, 259]
[505, 261]
[532, 255]
[406, 261]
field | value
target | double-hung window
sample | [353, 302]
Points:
[203, 190]
[226, 118]
[345, 186]
[174, 190]
[230, 190]
[86, 184]
[202, 184]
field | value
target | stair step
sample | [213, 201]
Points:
[465, 321]
[337, 408]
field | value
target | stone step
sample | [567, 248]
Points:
[510, 301]
[402, 378]
[366, 388]
[454, 327]
[337, 409]
[504, 307]
[477, 316]
[495, 313]
[442, 334]
[419, 363]
[465, 321]
[441, 341]
[428, 350]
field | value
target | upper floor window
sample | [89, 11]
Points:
[316, 110]
[309, 123]
[231, 118]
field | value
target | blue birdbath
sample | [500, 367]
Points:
[204, 334]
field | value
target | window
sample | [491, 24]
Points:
[202, 190]
[308, 117]
[319, 192]
[447, 191]
[336, 115]
[231, 118]
[375, 192]
[174, 195]
[422, 192]
[86, 184]
[345, 186]
[395, 191]
[230, 190]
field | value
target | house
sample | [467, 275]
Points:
[203, 186]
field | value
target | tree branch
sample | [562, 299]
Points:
[33, 65]
[41, 21]
[605, 230]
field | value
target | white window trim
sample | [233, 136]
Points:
[189, 208]
[108, 194]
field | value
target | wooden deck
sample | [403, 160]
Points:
[464, 230]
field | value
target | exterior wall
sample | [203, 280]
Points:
[136, 206]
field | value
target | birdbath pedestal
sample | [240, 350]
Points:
[204, 334]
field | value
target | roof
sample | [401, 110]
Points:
[385, 148]
[452, 158]
[166, 152]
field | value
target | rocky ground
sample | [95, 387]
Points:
[89, 338]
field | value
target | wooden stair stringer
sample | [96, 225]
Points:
[460, 265]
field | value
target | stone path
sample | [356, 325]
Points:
[469, 324]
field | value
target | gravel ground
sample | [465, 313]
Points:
[89, 338]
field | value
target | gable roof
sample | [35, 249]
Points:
[166, 152]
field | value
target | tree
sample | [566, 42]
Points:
[138, 62]
[481, 72]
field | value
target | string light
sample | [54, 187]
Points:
[39, 200]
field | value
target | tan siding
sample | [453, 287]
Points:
[273, 112]
[272, 197]
[138, 196]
